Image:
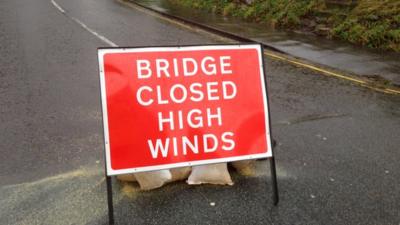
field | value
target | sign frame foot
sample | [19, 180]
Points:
[110, 200]
[274, 181]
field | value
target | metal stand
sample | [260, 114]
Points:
[110, 201]
[272, 159]
[274, 181]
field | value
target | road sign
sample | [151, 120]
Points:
[166, 107]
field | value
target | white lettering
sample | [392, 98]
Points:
[199, 94]
[211, 90]
[194, 147]
[143, 65]
[173, 95]
[210, 147]
[139, 96]
[186, 71]
[191, 120]
[162, 66]
[180, 119]
[159, 147]
[217, 116]
[160, 101]
[162, 120]
[174, 141]
[176, 70]
[225, 85]
[211, 69]
[226, 140]
[225, 64]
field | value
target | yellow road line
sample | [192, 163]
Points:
[393, 90]
[315, 68]
[334, 74]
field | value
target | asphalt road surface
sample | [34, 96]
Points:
[338, 144]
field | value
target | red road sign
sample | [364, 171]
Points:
[166, 107]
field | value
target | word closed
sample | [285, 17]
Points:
[167, 107]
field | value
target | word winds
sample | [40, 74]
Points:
[210, 143]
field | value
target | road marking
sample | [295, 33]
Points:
[58, 7]
[84, 26]
[393, 90]
[334, 74]
[101, 37]
[315, 68]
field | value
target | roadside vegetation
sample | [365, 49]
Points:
[372, 23]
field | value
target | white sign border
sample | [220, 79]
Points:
[104, 51]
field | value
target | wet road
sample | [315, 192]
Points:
[338, 144]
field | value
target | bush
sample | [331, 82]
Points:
[373, 23]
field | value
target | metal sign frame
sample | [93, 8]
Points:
[270, 143]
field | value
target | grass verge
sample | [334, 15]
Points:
[372, 23]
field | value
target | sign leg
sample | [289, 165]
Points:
[274, 181]
[110, 201]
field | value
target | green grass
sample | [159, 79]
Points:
[372, 23]
[285, 13]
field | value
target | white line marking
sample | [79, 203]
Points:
[84, 26]
[58, 7]
[101, 37]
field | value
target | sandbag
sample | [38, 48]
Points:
[154, 179]
[127, 177]
[210, 174]
[180, 173]
[245, 167]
